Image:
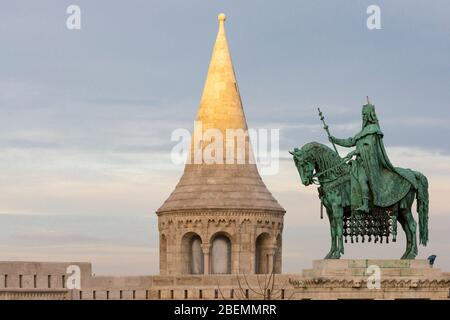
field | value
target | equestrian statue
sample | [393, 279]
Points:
[363, 193]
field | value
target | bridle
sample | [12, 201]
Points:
[315, 177]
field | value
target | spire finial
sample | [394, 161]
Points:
[367, 97]
[222, 17]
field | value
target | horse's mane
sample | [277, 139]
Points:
[325, 157]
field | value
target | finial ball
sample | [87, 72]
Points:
[222, 17]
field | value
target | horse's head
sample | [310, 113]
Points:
[316, 158]
[305, 164]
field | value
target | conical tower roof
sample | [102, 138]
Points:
[232, 180]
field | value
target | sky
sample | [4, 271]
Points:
[86, 115]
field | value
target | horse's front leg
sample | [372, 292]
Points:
[332, 235]
[339, 234]
[338, 216]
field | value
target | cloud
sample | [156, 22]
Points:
[124, 244]
[414, 122]
[52, 237]
[106, 260]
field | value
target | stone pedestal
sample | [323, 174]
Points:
[365, 267]
[371, 279]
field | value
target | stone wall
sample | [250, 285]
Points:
[328, 279]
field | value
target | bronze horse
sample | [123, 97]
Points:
[317, 163]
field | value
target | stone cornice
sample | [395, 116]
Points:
[32, 290]
[221, 211]
[362, 283]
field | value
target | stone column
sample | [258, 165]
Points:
[206, 263]
[271, 257]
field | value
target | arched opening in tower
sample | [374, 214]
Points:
[277, 267]
[192, 254]
[162, 255]
[221, 255]
[262, 253]
[196, 256]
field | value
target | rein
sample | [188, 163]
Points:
[316, 176]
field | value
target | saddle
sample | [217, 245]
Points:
[381, 223]
[396, 185]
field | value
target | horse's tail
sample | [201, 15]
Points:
[422, 206]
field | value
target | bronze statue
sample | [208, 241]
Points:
[363, 193]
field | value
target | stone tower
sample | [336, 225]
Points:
[220, 218]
